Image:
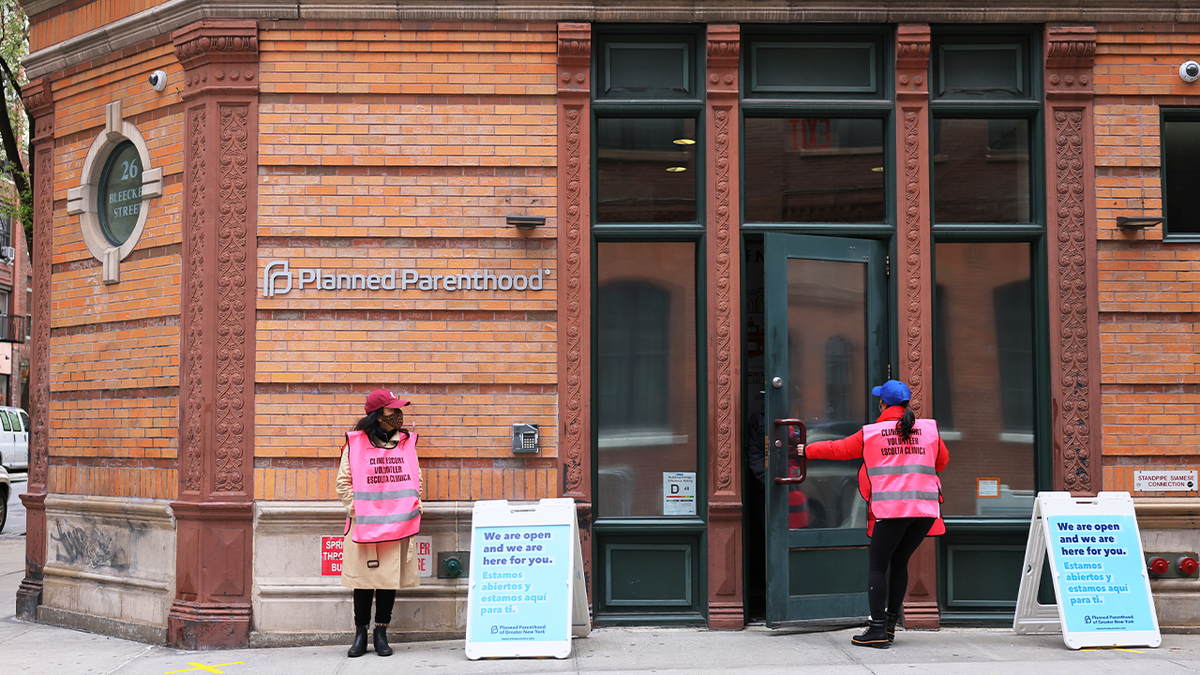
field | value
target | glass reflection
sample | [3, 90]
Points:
[984, 397]
[981, 171]
[646, 375]
[814, 170]
[827, 379]
[646, 170]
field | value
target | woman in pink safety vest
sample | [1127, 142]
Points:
[375, 571]
[902, 457]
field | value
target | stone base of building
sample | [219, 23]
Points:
[292, 600]
[126, 630]
[318, 639]
[110, 565]
[1168, 528]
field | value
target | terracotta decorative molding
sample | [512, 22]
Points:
[724, 44]
[1076, 44]
[724, 282]
[726, 605]
[214, 512]
[574, 297]
[914, 275]
[39, 101]
[218, 55]
[234, 173]
[914, 234]
[192, 436]
[1072, 277]
[1070, 53]
[912, 94]
[912, 47]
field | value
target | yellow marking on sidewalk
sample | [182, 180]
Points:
[1115, 649]
[201, 666]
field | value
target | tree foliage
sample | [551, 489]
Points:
[14, 123]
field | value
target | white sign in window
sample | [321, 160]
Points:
[679, 493]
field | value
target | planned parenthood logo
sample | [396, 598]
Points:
[280, 279]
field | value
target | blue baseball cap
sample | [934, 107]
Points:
[893, 392]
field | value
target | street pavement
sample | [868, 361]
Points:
[36, 649]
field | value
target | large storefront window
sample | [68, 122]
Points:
[981, 170]
[814, 170]
[989, 396]
[986, 398]
[646, 170]
[646, 376]
[649, 493]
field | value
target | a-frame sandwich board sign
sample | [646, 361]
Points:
[1101, 585]
[526, 596]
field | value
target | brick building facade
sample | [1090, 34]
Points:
[215, 359]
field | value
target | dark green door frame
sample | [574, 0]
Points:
[814, 575]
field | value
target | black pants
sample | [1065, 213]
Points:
[385, 599]
[893, 542]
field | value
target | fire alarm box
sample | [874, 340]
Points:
[525, 439]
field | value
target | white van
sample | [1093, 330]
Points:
[14, 438]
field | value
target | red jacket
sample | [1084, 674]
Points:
[851, 447]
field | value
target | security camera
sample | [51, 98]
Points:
[1189, 71]
[158, 80]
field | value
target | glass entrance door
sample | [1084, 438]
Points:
[826, 344]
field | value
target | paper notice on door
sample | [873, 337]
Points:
[679, 493]
[987, 487]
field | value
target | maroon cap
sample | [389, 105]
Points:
[383, 398]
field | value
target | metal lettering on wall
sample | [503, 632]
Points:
[278, 279]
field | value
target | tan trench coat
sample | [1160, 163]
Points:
[397, 559]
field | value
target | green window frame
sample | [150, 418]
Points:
[1179, 130]
[817, 63]
[643, 109]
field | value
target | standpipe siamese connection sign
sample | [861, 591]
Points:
[279, 279]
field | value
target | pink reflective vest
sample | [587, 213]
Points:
[386, 484]
[903, 477]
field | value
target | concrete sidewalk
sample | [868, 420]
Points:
[37, 649]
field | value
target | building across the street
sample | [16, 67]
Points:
[607, 249]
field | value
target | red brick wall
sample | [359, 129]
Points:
[1149, 361]
[404, 145]
[382, 145]
[114, 412]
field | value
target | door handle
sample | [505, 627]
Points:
[802, 460]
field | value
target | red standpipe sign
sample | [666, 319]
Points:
[331, 556]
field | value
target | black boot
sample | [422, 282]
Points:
[360, 642]
[892, 620]
[875, 635]
[381, 645]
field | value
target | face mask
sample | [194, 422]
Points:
[394, 417]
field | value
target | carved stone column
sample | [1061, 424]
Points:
[1071, 265]
[39, 101]
[725, 588]
[214, 512]
[575, 275]
[914, 276]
